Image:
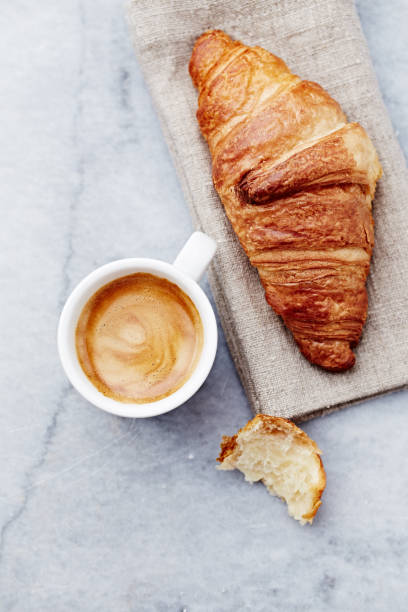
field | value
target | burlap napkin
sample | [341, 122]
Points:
[320, 40]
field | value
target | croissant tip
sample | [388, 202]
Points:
[346, 364]
[207, 50]
[331, 355]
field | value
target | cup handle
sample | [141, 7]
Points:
[196, 255]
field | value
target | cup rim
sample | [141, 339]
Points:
[69, 318]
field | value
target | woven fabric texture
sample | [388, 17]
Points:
[320, 40]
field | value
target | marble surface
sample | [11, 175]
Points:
[99, 513]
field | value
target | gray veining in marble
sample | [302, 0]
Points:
[99, 513]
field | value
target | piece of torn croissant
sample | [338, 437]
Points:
[296, 180]
[283, 457]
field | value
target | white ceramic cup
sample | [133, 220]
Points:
[186, 271]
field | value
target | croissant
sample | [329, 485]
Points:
[283, 457]
[296, 181]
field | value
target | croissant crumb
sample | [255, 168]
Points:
[282, 456]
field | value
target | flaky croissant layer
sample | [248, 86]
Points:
[296, 181]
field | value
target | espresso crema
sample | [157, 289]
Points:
[139, 338]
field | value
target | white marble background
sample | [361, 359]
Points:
[99, 513]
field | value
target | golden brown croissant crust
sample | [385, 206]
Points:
[296, 181]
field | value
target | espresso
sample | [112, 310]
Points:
[139, 338]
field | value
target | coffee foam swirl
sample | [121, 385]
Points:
[139, 338]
